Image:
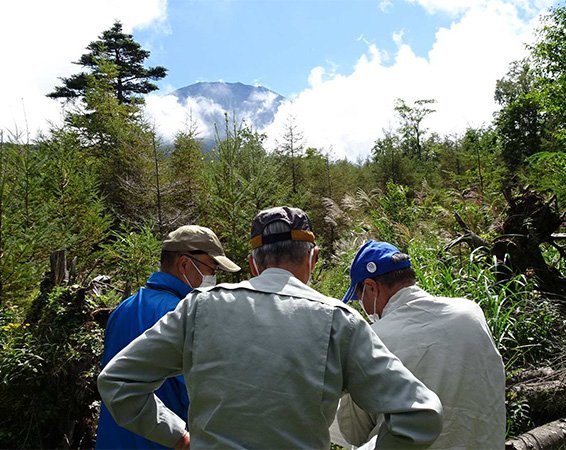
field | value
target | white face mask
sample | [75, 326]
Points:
[207, 280]
[255, 266]
[372, 317]
[310, 266]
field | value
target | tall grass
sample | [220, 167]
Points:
[526, 328]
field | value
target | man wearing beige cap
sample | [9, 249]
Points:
[190, 257]
[266, 360]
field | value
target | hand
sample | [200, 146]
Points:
[184, 443]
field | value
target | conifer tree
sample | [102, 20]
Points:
[74, 206]
[242, 180]
[291, 150]
[320, 182]
[132, 79]
[121, 145]
[25, 228]
[186, 179]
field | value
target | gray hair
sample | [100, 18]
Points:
[280, 252]
[390, 279]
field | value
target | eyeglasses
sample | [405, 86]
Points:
[192, 258]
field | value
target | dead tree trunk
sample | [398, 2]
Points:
[59, 272]
[532, 220]
[544, 390]
[546, 399]
[57, 276]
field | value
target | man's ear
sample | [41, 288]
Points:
[315, 256]
[372, 286]
[253, 268]
[180, 264]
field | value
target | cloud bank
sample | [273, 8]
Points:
[38, 41]
[346, 113]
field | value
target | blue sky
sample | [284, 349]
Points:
[341, 63]
[276, 43]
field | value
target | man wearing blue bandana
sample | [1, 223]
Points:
[445, 342]
[190, 257]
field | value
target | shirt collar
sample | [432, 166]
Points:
[402, 297]
[275, 280]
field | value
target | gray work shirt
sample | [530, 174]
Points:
[265, 362]
[446, 343]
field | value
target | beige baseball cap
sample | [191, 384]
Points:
[191, 238]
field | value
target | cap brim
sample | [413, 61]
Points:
[350, 294]
[225, 264]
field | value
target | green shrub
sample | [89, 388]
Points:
[48, 372]
[131, 257]
[547, 172]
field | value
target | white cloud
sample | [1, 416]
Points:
[385, 5]
[461, 6]
[171, 116]
[40, 39]
[348, 112]
[265, 99]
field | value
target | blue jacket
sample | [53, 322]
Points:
[131, 318]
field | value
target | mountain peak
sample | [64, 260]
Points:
[256, 105]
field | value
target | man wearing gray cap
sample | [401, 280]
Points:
[266, 360]
[190, 257]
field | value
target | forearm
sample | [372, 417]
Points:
[409, 430]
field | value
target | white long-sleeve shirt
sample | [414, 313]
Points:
[447, 344]
[265, 362]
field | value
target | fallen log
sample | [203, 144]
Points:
[551, 436]
[546, 398]
[523, 376]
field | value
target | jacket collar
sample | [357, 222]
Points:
[276, 281]
[402, 297]
[167, 282]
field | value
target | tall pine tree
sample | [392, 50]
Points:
[132, 78]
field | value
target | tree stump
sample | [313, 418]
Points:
[59, 272]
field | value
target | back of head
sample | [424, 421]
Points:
[281, 235]
[382, 262]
